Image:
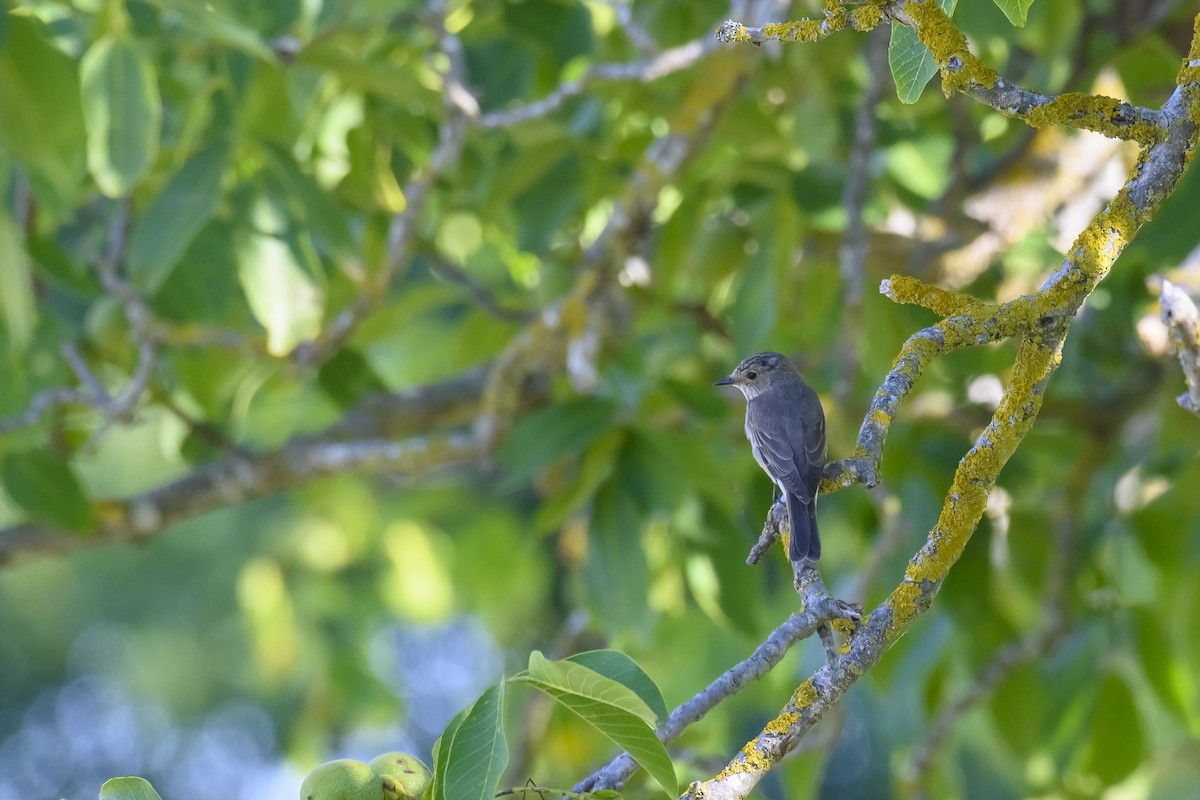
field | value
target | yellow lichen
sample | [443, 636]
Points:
[806, 695]
[805, 30]
[903, 603]
[865, 18]
[1094, 113]
[959, 67]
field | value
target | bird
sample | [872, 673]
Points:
[785, 424]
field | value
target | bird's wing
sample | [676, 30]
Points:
[793, 455]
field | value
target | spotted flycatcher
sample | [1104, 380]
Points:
[786, 428]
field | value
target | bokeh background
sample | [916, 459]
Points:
[675, 213]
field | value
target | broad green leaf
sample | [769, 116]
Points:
[608, 706]
[128, 789]
[201, 17]
[1017, 11]
[755, 308]
[347, 377]
[624, 670]
[615, 573]
[1118, 742]
[652, 470]
[911, 62]
[17, 303]
[43, 484]
[42, 121]
[470, 756]
[1019, 708]
[123, 113]
[545, 436]
[595, 465]
[311, 203]
[185, 204]
[282, 296]
[1165, 667]
[716, 571]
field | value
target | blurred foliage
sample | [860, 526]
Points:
[262, 149]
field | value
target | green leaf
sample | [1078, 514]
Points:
[1165, 667]
[1019, 709]
[281, 294]
[42, 483]
[162, 234]
[547, 435]
[595, 465]
[755, 308]
[1017, 11]
[309, 201]
[911, 62]
[471, 754]
[201, 17]
[42, 123]
[608, 706]
[17, 303]
[128, 789]
[615, 573]
[347, 377]
[617, 666]
[1118, 743]
[123, 113]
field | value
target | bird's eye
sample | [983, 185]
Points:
[751, 375]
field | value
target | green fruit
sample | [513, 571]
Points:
[344, 779]
[404, 776]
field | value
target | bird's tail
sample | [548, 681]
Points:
[803, 540]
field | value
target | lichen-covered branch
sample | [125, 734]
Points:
[962, 71]
[1062, 567]
[1040, 322]
[819, 610]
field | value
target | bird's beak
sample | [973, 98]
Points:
[726, 381]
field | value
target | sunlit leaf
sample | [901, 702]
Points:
[911, 62]
[617, 666]
[17, 303]
[283, 297]
[42, 121]
[175, 216]
[1017, 11]
[472, 752]
[128, 789]
[611, 708]
[123, 113]
[210, 23]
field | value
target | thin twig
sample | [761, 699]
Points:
[459, 105]
[819, 610]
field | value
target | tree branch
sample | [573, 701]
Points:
[459, 106]
[962, 71]
[366, 438]
[819, 610]
[1041, 321]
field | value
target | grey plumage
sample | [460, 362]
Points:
[786, 428]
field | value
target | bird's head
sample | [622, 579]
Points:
[759, 372]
